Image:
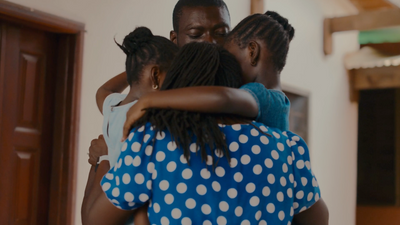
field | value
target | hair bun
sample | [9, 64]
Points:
[284, 23]
[136, 40]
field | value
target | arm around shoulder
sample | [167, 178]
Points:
[116, 84]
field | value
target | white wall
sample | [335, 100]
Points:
[333, 119]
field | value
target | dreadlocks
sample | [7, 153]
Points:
[197, 64]
[272, 28]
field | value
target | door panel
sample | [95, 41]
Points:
[27, 123]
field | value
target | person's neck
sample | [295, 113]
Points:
[134, 94]
[270, 79]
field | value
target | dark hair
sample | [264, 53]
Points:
[176, 15]
[271, 28]
[197, 64]
[142, 47]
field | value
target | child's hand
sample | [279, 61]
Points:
[98, 147]
[133, 114]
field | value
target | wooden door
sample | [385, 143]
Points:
[26, 123]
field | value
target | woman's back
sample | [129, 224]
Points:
[268, 180]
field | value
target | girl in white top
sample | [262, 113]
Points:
[148, 57]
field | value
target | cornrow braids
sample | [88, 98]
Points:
[197, 64]
[141, 48]
[272, 28]
[177, 13]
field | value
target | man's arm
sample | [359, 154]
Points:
[116, 84]
[316, 215]
[210, 99]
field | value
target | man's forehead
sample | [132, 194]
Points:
[204, 15]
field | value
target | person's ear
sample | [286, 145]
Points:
[156, 77]
[254, 52]
[173, 36]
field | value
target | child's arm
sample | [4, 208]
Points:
[116, 84]
[210, 99]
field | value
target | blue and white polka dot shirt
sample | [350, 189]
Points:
[268, 180]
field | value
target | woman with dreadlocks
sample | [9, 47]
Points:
[196, 168]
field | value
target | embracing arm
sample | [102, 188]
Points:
[316, 215]
[209, 99]
[116, 84]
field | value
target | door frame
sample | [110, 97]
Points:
[68, 97]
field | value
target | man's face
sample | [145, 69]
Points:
[202, 24]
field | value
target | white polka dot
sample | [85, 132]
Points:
[131, 136]
[232, 193]
[266, 191]
[149, 150]
[262, 222]
[300, 164]
[254, 201]
[216, 186]
[141, 129]
[275, 155]
[220, 171]
[176, 214]
[205, 174]
[119, 163]
[234, 146]
[219, 153]
[190, 203]
[236, 127]
[280, 146]
[171, 166]
[164, 221]
[146, 137]
[268, 163]
[160, 135]
[207, 222]
[187, 174]
[223, 206]
[308, 165]
[150, 167]
[149, 184]
[299, 194]
[292, 143]
[310, 196]
[257, 169]
[285, 168]
[250, 188]
[258, 215]
[290, 160]
[139, 178]
[156, 207]
[316, 197]
[238, 177]
[137, 161]
[245, 159]
[221, 220]
[303, 209]
[263, 128]
[271, 208]
[209, 160]
[276, 135]
[110, 176]
[116, 202]
[154, 175]
[115, 192]
[186, 221]
[126, 178]
[125, 146]
[256, 149]
[295, 138]
[295, 184]
[233, 163]
[106, 186]
[238, 211]
[135, 147]
[281, 215]
[295, 205]
[283, 181]
[243, 139]
[164, 185]
[291, 178]
[128, 197]
[290, 193]
[128, 160]
[288, 143]
[206, 209]
[301, 150]
[193, 148]
[201, 189]
[280, 196]
[271, 179]
[314, 182]
[143, 197]
[304, 181]
[160, 156]
[183, 159]
[117, 180]
[181, 188]
[171, 146]
[254, 132]
[264, 140]
[169, 199]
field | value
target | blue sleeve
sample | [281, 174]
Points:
[128, 185]
[273, 105]
[306, 188]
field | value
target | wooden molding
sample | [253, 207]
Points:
[354, 93]
[363, 21]
[257, 6]
[376, 78]
[370, 5]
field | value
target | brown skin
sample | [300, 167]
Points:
[202, 24]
